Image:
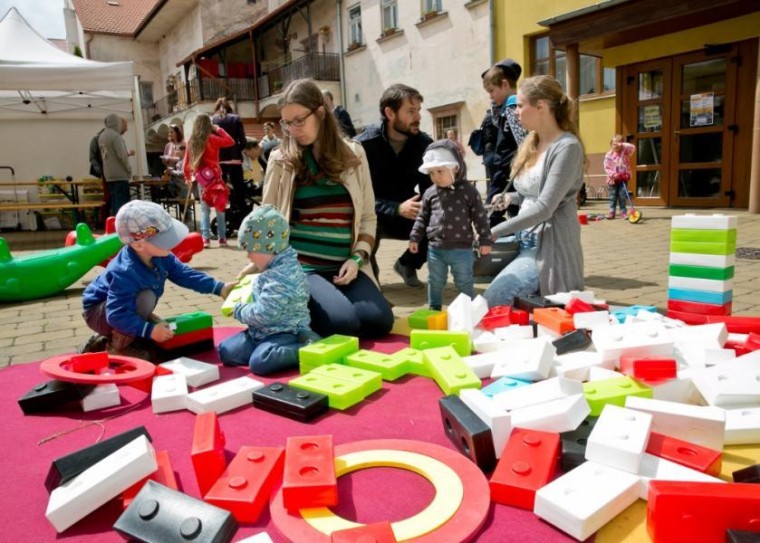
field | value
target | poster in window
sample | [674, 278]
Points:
[652, 118]
[702, 109]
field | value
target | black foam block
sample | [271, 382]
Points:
[293, 403]
[51, 395]
[741, 536]
[469, 434]
[572, 341]
[574, 444]
[529, 303]
[750, 474]
[160, 514]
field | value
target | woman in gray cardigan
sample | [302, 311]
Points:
[547, 173]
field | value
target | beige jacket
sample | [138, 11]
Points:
[279, 191]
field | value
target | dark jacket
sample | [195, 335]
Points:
[344, 120]
[510, 135]
[233, 125]
[96, 160]
[394, 177]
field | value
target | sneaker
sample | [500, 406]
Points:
[623, 215]
[408, 274]
[137, 349]
[611, 215]
[206, 243]
[222, 243]
[95, 344]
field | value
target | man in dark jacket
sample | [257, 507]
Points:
[340, 113]
[394, 151]
[231, 158]
[96, 170]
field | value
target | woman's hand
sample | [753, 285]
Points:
[347, 273]
[501, 201]
[413, 247]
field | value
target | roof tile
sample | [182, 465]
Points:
[121, 17]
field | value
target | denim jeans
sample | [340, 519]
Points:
[119, 192]
[277, 352]
[518, 278]
[357, 309]
[617, 196]
[221, 224]
[439, 261]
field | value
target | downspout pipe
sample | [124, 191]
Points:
[339, 36]
[492, 26]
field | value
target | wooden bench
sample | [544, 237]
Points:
[35, 206]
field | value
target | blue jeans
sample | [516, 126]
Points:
[439, 260]
[518, 278]
[274, 353]
[221, 223]
[617, 196]
[357, 309]
[119, 191]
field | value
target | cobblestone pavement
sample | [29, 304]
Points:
[625, 264]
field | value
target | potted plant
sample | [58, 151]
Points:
[354, 45]
[390, 31]
[429, 15]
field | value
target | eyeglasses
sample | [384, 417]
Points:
[298, 122]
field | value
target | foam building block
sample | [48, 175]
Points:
[261, 537]
[224, 396]
[207, 453]
[245, 486]
[700, 259]
[689, 455]
[389, 367]
[169, 393]
[696, 424]
[577, 340]
[653, 468]
[576, 365]
[555, 319]
[514, 331]
[619, 438]
[242, 293]
[486, 342]
[196, 373]
[693, 511]
[309, 478]
[531, 360]
[636, 339]
[564, 298]
[750, 474]
[529, 303]
[469, 434]
[75, 499]
[101, 397]
[742, 536]
[67, 467]
[681, 389]
[695, 307]
[612, 391]
[730, 387]
[602, 373]
[649, 369]
[561, 415]
[51, 395]
[482, 364]
[164, 475]
[527, 463]
[465, 313]
[554, 388]
[378, 532]
[159, 513]
[591, 319]
[430, 339]
[448, 370]
[702, 355]
[502, 384]
[574, 443]
[496, 419]
[586, 498]
[341, 394]
[702, 333]
[282, 399]
[330, 350]
[419, 318]
[693, 221]
[414, 361]
[742, 426]
[368, 381]
[694, 283]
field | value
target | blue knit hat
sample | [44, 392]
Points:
[264, 230]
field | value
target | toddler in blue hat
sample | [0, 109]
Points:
[277, 315]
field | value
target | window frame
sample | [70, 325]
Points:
[392, 6]
[355, 26]
[431, 6]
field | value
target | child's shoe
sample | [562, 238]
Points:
[623, 215]
[206, 243]
[222, 243]
[95, 344]
[611, 215]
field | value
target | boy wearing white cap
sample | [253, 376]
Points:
[119, 303]
[278, 314]
[449, 209]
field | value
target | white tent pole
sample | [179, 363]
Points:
[141, 153]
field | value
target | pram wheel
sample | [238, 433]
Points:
[634, 217]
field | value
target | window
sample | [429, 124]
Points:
[594, 78]
[389, 14]
[432, 6]
[146, 92]
[355, 37]
[444, 123]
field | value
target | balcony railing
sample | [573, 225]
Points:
[319, 66]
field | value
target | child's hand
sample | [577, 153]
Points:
[347, 273]
[248, 270]
[485, 250]
[413, 247]
[161, 332]
[227, 288]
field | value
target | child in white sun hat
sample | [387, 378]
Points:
[277, 315]
[449, 210]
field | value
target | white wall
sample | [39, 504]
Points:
[51, 147]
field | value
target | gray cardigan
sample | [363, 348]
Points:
[559, 255]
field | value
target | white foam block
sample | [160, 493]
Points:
[702, 425]
[563, 415]
[716, 221]
[514, 331]
[709, 261]
[169, 393]
[729, 386]
[680, 390]
[486, 342]
[702, 354]
[223, 397]
[263, 537]
[459, 314]
[77, 498]
[564, 297]
[702, 333]
[586, 498]
[530, 359]
[540, 392]
[576, 365]
[602, 373]
[482, 364]
[100, 397]
[589, 319]
[196, 372]
[654, 468]
[743, 426]
[637, 339]
[619, 438]
[696, 283]
[478, 309]
[497, 419]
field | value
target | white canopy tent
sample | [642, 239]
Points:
[47, 93]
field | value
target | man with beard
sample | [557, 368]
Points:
[394, 151]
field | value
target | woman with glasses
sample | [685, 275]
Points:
[321, 183]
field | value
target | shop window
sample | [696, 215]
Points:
[594, 78]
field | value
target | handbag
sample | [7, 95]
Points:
[205, 176]
[477, 142]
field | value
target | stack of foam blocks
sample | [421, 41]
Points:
[701, 268]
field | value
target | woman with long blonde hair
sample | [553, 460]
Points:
[321, 183]
[547, 173]
[201, 165]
